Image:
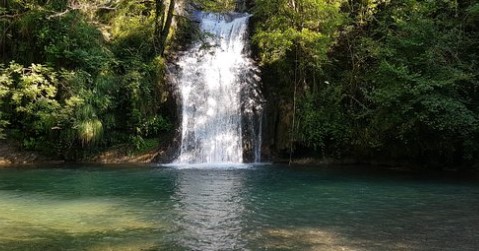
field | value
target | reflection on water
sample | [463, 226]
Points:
[250, 208]
[210, 209]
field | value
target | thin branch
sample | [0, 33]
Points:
[60, 13]
[81, 6]
[146, 2]
[106, 8]
[9, 16]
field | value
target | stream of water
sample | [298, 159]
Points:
[216, 81]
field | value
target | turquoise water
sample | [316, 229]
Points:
[235, 208]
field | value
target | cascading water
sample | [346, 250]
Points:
[217, 85]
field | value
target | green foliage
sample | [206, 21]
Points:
[296, 25]
[3, 122]
[29, 93]
[421, 81]
[293, 39]
[321, 127]
[98, 78]
[140, 145]
[378, 79]
[217, 5]
[73, 43]
[152, 127]
[89, 130]
[367, 79]
[30, 104]
[131, 29]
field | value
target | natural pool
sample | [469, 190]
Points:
[262, 207]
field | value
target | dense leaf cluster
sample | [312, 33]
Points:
[80, 75]
[376, 79]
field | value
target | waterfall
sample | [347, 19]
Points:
[217, 86]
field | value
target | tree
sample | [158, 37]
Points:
[294, 37]
[163, 21]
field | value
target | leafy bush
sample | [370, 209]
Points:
[99, 79]
[376, 79]
[152, 127]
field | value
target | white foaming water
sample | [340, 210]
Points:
[212, 81]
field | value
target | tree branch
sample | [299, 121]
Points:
[9, 16]
[81, 6]
[107, 8]
[60, 13]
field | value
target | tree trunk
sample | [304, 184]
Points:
[166, 28]
[159, 20]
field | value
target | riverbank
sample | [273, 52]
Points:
[403, 166]
[12, 155]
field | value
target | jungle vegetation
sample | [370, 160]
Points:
[80, 75]
[362, 79]
[375, 79]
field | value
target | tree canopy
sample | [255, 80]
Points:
[375, 79]
[77, 75]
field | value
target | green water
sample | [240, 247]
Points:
[247, 208]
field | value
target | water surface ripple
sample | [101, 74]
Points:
[246, 208]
